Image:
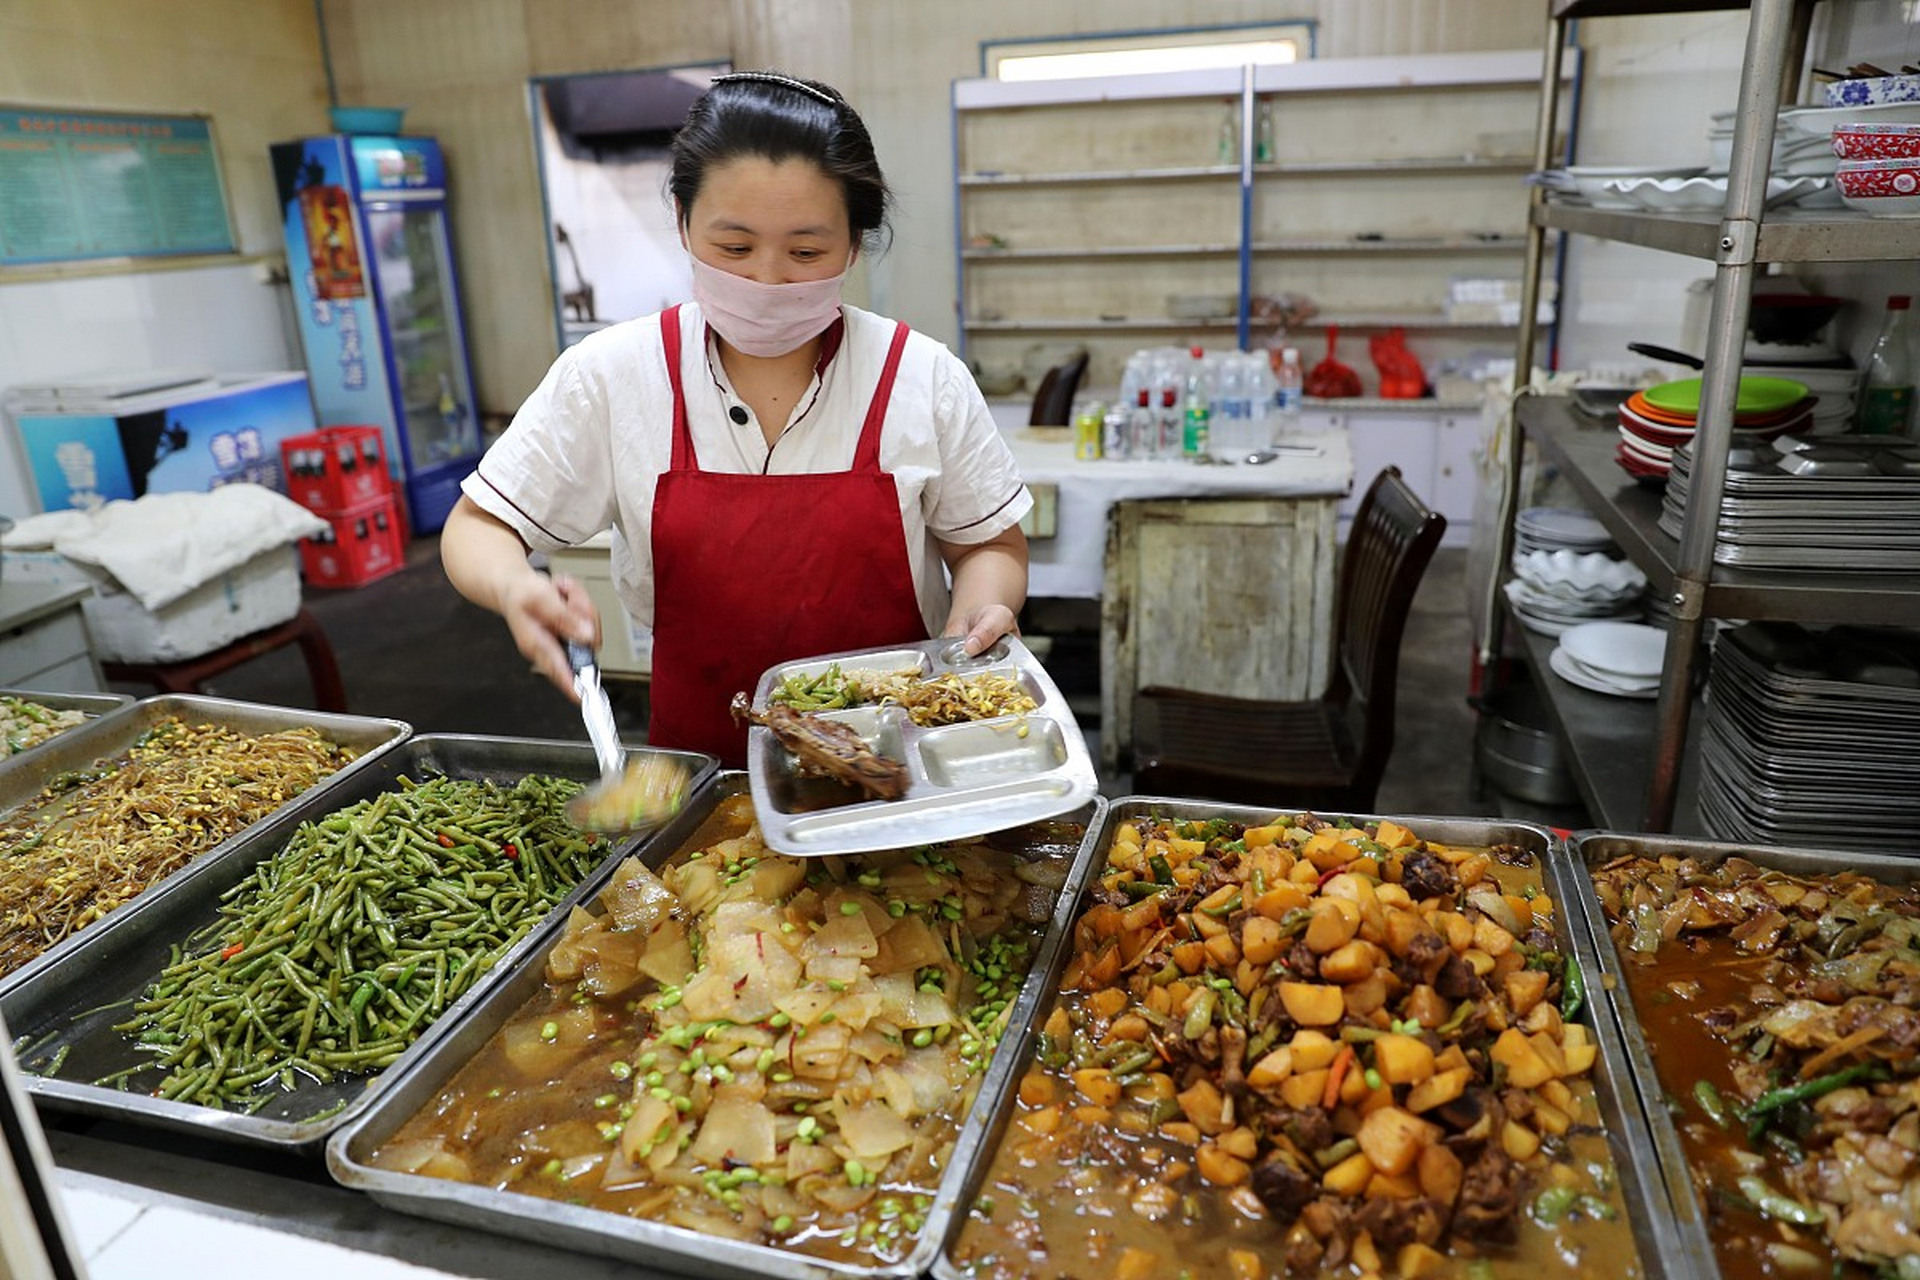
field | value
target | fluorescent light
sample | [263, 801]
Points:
[1114, 62]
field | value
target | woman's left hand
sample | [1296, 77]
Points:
[982, 627]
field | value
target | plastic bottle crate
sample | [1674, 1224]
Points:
[360, 545]
[336, 468]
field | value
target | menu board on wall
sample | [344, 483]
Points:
[98, 185]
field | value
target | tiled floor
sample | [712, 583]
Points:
[411, 649]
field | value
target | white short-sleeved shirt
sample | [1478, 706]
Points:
[585, 450]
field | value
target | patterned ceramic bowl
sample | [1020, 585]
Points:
[1873, 90]
[1876, 141]
[1883, 188]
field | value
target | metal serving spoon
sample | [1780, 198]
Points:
[630, 797]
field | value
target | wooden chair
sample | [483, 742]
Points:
[1053, 402]
[1326, 753]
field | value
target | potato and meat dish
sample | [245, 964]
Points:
[1783, 1013]
[1306, 1048]
[763, 1048]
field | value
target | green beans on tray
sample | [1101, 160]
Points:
[337, 952]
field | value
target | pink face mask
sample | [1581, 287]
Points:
[764, 319]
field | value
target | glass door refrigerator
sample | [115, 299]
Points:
[370, 254]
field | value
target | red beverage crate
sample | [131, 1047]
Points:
[360, 545]
[336, 468]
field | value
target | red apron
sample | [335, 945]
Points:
[754, 570]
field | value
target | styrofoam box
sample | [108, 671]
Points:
[262, 593]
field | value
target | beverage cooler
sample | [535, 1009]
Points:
[371, 260]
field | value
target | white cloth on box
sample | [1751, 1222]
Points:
[164, 545]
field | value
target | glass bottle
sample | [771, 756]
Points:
[1229, 143]
[1887, 393]
[1263, 137]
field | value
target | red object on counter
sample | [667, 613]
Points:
[336, 468]
[1331, 380]
[360, 545]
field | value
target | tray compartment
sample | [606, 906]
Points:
[643, 1241]
[1629, 1146]
[119, 730]
[69, 1012]
[987, 752]
[1588, 850]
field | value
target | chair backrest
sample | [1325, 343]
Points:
[1392, 541]
[1054, 400]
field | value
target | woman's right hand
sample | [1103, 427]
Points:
[542, 613]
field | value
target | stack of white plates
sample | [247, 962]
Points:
[1833, 389]
[1620, 658]
[1813, 737]
[1553, 590]
[1557, 529]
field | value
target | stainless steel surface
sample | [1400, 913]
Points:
[1632, 515]
[112, 734]
[1791, 235]
[1589, 849]
[641, 1241]
[602, 732]
[965, 779]
[73, 1005]
[1517, 750]
[93, 705]
[1634, 1158]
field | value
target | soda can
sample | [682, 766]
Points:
[1116, 438]
[1086, 433]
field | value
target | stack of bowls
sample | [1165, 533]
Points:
[1656, 421]
[1879, 170]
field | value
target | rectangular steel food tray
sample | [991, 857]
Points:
[1633, 1155]
[119, 730]
[93, 705]
[1590, 849]
[74, 1005]
[647, 1242]
[965, 779]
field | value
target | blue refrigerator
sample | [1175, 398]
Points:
[370, 255]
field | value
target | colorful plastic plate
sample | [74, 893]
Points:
[1757, 395]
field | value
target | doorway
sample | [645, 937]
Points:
[612, 245]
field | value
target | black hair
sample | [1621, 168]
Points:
[780, 117]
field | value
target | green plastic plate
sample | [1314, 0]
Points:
[1757, 395]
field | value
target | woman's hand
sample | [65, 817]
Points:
[983, 627]
[989, 586]
[543, 613]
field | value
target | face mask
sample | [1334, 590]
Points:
[764, 319]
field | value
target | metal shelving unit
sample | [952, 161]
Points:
[1738, 240]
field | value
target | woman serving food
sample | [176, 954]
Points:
[784, 475]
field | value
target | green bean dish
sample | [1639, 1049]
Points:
[336, 953]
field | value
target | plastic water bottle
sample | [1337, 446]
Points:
[1288, 395]
[1143, 431]
[1887, 390]
[1262, 387]
[1232, 407]
[1168, 419]
[1197, 422]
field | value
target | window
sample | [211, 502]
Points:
[1192, 50]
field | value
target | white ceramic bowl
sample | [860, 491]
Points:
[1819, 122]
[1873, 91]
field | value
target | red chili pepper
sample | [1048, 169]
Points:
[510, 850]
[1328, 875]
[229, 953]
[446, 841]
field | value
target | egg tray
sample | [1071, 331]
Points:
[964, 780]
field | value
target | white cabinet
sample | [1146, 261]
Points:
[1434, 446]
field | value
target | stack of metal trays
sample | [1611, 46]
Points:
[964, 779]
[1813, 737]
[71, 1012]
[90, 706]
[1847, 503]
[641, 1221]
[1691, 1002]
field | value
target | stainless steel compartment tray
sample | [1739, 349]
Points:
[1627, 1138]
[116, 732]
[73, 1007]
[92, 705]
[641, 1241]
[1589, 849]
[965, 779]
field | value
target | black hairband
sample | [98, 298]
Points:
[770, 77]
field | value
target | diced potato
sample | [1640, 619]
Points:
[1354, 1087]
[1190, 957]
[1556, 1094]
[1349, 1177]
[1519, 1141]
[1203, 1105]
[1261, 941]
[1394, 836]
[1549, 1119]
[1368, 995]
[1355, 888]
[1455, 928]
[1403, 1187]
[1245, 1264]
[1335, 921]
[1451, 1058]
[1239, 1141]
[1255, 837]
[1549, 1050]
[1181, 1131]
[1473, 869]
[1366, 1255]
[1327, 850]
[1350, 963]
[1376, 1099]
[1313, 1049]
[1127, 834]
[1304, 873]
[1426, 1005]
[1392, 895]
[1044, 1121]
[1093, 1117]
[1544, 1018]
[1108, 1002]
[1312, 1004]
[1440, 1173]
[1491, 938]
[1220, 1168]
[1525, 988]
[1135, 1264]
[1304, 1089]
[1526, 1069]
[1579, 1058]
[1272, 1069]
[1402, 1059]
[1207, 926]
[1282, 897]
[1393, 1138]
[1037, 1089]
[1058, 1025]
[1438, 1089]
[1479, 961]
[1097, 1085]
[1416, 1260]
[1222, 951]
[1130, 1026]
[1403, 927]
